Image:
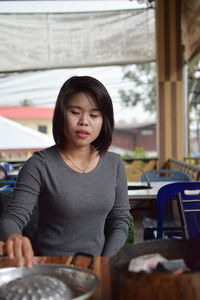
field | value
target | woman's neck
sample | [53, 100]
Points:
[78, 153]
[83, 159]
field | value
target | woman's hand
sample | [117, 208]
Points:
[20, 248]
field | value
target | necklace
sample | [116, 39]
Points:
[75, 165]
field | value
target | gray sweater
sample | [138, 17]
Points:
[73, 206]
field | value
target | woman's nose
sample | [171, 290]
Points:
[83, 120]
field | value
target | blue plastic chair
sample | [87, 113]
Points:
[7, 167]
[166, 175]
[189, 208]
[150, 224]
[168, 193]
[6, 170]
[7, 186]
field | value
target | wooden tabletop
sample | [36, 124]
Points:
[100, 268]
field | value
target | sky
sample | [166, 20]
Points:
[42, 87]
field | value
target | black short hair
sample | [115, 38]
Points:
[98, 91]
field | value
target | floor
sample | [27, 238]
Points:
[138, 216]
[138, 227]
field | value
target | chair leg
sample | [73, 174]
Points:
[182, 216]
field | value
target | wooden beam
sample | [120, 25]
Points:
[170, 128]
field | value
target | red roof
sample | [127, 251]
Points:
[26, 112]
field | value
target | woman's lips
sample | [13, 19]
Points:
[82, 134]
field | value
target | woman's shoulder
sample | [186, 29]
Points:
[112, 156]
[39, 160]
[112, 162]
[46, 152]
[42, 155]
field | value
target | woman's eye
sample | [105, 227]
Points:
[75, 112]
[94, 116]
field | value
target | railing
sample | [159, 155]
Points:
[136, 166]
[191, 169]
[192, 160]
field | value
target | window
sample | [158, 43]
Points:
[147, 132]
[42, 128]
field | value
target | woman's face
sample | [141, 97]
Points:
[83, 121]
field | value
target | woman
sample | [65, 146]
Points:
[77, 184]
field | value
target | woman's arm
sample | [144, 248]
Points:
[18, 213]
[29, 185]
[117, 222]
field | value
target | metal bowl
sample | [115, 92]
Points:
[48, 281]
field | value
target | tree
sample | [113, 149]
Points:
[143, 91]
[26, 102]
[194, 97]
[143, 88]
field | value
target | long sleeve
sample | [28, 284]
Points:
[117, 222]
[73, 206]
[24, 198]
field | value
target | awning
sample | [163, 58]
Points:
[67, 40]
[38, 41]
[190, 28]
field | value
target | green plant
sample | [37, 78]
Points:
[138, 152]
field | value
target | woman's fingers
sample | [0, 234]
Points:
[28, 252]
[20, 248]
[17, 249]
[9, 248]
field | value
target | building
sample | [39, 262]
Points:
[19, 142]
[129, 137]
[37, 118]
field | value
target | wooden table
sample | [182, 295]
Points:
[136, 195]
[144, 199]
[101, 269]
[142, 194]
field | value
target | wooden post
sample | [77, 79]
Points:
[170, 128]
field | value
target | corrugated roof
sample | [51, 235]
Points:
[26, 112]
[134, 126]
[16, 136]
